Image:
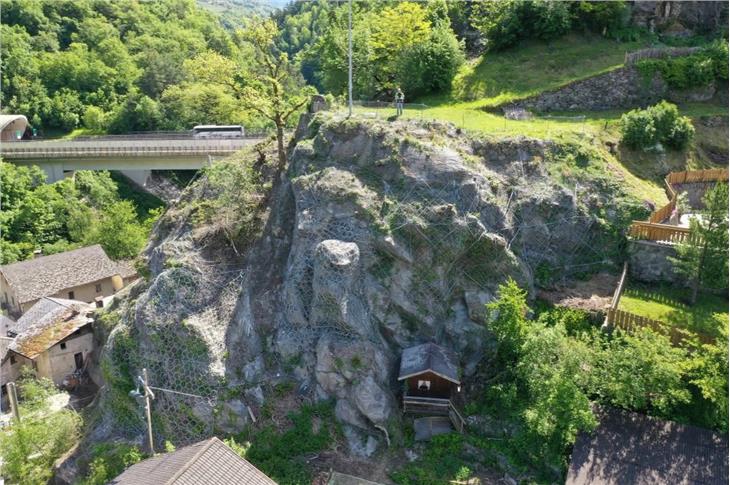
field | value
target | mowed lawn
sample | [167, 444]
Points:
[669, 304]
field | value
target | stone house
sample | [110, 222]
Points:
[54, 337]
[85, 274]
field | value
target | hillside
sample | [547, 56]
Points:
[382, 235]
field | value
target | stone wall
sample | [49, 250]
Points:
[649, 262]
[624, 87]
[620, 88]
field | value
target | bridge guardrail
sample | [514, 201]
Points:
[122, 148]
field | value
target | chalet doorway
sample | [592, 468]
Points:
[79, 360]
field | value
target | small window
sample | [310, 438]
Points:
[98, 287]
[70, 295]
[12, 360]
[424, 385]
[63, 345]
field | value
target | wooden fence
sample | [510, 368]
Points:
[654, 230]
[630, 322]
[695, 176]
[632, 58]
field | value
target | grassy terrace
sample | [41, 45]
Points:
[533, 67]
[667, 304]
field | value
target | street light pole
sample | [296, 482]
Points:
[349, 56]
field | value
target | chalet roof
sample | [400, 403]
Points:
[429, 357]
[210, 462]
[633, 448]
[48, 322]
[47, 275]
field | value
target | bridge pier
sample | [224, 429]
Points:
[140, 177]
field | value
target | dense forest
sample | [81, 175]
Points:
[130, 66]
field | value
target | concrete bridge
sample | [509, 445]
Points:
[134, 155]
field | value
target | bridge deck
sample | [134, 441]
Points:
[116, 148]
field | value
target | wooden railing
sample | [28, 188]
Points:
[659, 232]
[696, 176]
[434, 406]
[654, 229]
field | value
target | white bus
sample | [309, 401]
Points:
[218, 131]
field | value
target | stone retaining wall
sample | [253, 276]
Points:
[649, 262]
[624, 87]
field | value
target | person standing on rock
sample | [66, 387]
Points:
[399, 98]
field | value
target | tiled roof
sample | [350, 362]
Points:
[640, 450]
[6, 323]
[428, 357]
[47, 275]
[48, 322]
[209, 462]
[125, 269]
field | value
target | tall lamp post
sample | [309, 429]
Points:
[349, 56]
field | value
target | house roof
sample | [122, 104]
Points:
[125, 269]
[633, 448]
[48, 322]
[210, 462]
[6, 323]
[429, 357]
[47, 275]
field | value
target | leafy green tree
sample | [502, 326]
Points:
[118, 231]
[508, 317]
[429, 66]
[270, 86]
[708, 370]
[703, 257]
[31, 446]
[550, 366]
[641, 371]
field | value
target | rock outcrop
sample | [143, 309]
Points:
[381, 236]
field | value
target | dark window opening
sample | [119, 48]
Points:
[98, 288]
[70, 295]
[12, 360]
[63, 345]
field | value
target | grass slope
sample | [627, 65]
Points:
[533, 67]
[667, 304]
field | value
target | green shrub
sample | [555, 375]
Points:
[660, 123]
[693, 71]
[637, 129]
[109, 460]
[278, 454]
[681, 133]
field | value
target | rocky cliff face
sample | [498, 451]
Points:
[380, 236]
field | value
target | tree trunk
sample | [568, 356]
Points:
[280, 146]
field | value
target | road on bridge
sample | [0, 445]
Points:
[137, 153]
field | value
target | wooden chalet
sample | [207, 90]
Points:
[431, 377]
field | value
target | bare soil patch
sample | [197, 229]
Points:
[592, 295]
